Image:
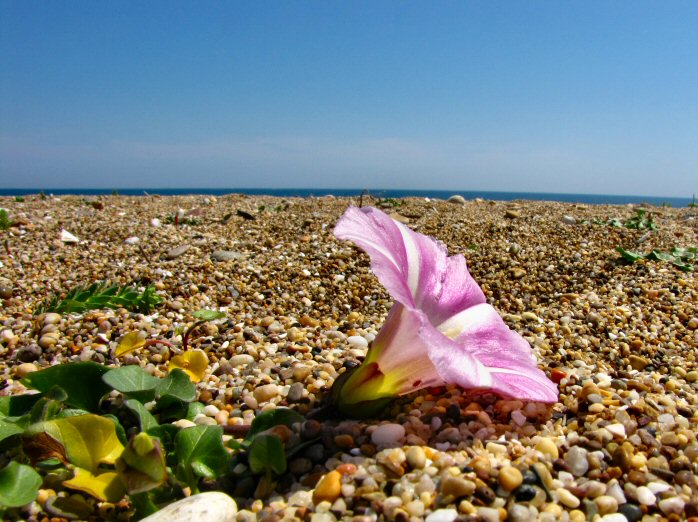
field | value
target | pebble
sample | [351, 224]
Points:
[645, 496]
[442, 515]
[576, 459]
[177, 251]
[295, 392]
[388, 434]
[242, 359]
[24, 369]
[631, 512]
[456, 199]
[606, 504]
[132, 240]
[416, 458]
[211, 506]
[225, 255]
[672, 505]
[569, 220]
[510, 478]
[567, 498]
[266, 392]
[328, 488]
[357, 341]
[457, 487]
[67, 237]
[547, 446]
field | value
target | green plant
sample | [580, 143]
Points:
[4, 219]
[176, 219]
[102, 295]
[642, 220]
[682, 258]
[108, 433]
[19, 199]
[693, 202]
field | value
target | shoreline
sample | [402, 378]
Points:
[621, 341]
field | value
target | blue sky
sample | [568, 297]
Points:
[544, 96]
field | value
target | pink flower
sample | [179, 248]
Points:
[440, 330]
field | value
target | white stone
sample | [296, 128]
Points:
[67, 237]
[442, 515]
[387, 434]
[645, 496]
[617, 429]
[658, 487]
[488, 514]
[155, 222]
[357, 341]
[212, 506]
[569, 220]
[132, 240]
[614, 517]
[672, 505]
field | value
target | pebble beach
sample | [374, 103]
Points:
[301, 307]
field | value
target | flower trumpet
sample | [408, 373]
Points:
[440, 330]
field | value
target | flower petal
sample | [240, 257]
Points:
[506, 355]
[414, 268]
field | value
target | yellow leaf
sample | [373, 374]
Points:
[192, 362]
[129, 343]
[89, 440]
[104, 486]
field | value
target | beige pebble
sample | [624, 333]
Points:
[510, 478]
[457, 487]
[266, 392]
[567, 498]
[547, 446]
[606, 504]
[328, 488]
[416, 457]
[692, 376]
[24, 369]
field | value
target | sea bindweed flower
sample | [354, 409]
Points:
[440, 329]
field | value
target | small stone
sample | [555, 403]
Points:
[242, 359]
[212, 506]
[225, 255]
[692, 376]
[416, 457]
[525, 493]
[512, 214]
[295, 392]
[387, 434]
[567, 498]
[357, 341]
[645, 496]
[518, 273]
[529, 317]
[24, 369]
[5, 291]
[457, 487]
[606, 504]
[510, 478]
[456, 199]
[52, 318]
[519, 513]
[693, 323]
[132, 240]
[672, 505]
[638, 362]
[266, 392]
[328, 488]
[630, 511]
[569, 220]
[67, 237]
[617, 429]
[442, 515]
[576, 459]
[48, 340]
[300, 466]
[547, 446]
[175, 252]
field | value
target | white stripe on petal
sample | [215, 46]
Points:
[412, 260]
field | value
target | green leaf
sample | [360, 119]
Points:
[19, 485]
[628, 255]
[176, 385]
[8, 429]
[16, 405]
[209, 315]
[81, 381]
[142, 464]
[267, 454]
[194, 409]
[200, 453]
[101, 295]
[133, 381]
[146, 420]
[271, 418]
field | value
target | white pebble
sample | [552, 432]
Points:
[387, 434]
[212, 506]
[567, 498]
[617, 429]
[672, 505]
[211, 410]
[658, 487]
[442, 515]
[132, 240]
[614, 517]
[155, 222]
[518, 417]
[645, 496]
[67, 237]
[487, 514]
[357, 341]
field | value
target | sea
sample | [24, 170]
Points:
[594, 199]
